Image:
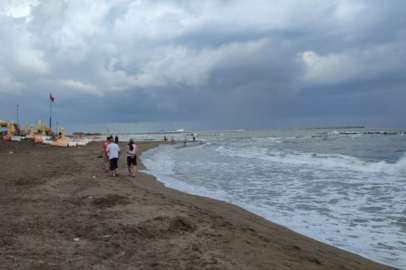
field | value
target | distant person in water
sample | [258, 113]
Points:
[194, 139]
[165, 139]
[184, 142]
[172, 140]
[116, 139]
[105, 155]
[132, 150]
[114, 154]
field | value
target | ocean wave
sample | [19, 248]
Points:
[268, 139]
[321, 161]
[160, 162]
[335, 132]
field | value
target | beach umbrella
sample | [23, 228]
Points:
[3, 123]
[26, 128]
[32, 130]
[12, 128]
[39, 125]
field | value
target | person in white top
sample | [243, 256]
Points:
[114, 154]
[132, 150]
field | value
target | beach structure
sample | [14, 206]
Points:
[12, 128]
[178, 130]
[3, 123]
[32, 134]
[40, 135]
[39, 126]
[16, 138]
[38, 140]
[62, 141]
[8, 135]
[11, 133]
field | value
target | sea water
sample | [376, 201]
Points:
[346, 188]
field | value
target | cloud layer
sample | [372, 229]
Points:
[221, 63]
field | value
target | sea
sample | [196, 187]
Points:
[344, 187]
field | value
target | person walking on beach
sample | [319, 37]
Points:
[116, 139]
[114, 154]
[104, 153]
[132, 150]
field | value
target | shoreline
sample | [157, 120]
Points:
[124, 222]
[363, 256]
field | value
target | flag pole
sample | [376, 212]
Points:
[50, 111]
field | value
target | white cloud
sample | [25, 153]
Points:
[104, 46]
[17, 8]
[32, 60]
[153, 20]
[18, 54]
[7, 84]
[349, 9]
[182, 66]
[81, 87]
[353, 65]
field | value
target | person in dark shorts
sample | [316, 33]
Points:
[116, 139]
[131, 150]
[114, 154]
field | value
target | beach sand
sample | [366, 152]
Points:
[50, 196]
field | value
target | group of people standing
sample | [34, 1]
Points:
[111, 154]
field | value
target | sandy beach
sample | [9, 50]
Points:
[60, 210]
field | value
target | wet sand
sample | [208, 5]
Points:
[50, 196]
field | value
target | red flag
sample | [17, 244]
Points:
[51, 98]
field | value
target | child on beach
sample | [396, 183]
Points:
[114, 154]
[131, 150]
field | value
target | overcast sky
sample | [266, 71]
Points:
[213, 64]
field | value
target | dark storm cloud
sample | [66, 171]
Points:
[224, 64]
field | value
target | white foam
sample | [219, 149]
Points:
[160, 163]
[269, 140]
[318, 160]
[335, 132]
